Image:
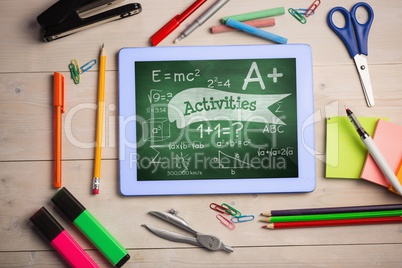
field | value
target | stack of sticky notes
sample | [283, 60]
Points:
[347, 157]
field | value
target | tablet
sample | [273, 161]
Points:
[216, 120]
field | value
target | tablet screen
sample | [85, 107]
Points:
[211, 119]
[200, 120]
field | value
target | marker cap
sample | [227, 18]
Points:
[91, 227]
[68, 204]
[46, 224]
[61, 240]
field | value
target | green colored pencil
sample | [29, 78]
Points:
[334, 216]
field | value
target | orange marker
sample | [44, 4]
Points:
[58, 88]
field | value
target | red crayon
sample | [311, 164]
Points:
[61, 240]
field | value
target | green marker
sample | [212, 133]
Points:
[256, 15]
[91, 227]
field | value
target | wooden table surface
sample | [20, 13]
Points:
[26, 134]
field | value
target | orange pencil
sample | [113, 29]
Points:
[58, 89]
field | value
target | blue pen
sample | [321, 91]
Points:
[255, 31]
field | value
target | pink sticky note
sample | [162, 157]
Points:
[388, 138]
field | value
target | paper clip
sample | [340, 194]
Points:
[310, 11]
[242, 218]
[225, 221]
[219, 208]
[74, 68]
[297, 15]
[303, 11]
[231, 210]
[87, 66]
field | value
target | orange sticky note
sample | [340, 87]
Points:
[398, 175]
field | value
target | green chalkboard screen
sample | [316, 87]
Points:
[202, 120]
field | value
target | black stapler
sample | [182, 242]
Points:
[66, 17]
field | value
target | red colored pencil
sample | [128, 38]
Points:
[329, 223]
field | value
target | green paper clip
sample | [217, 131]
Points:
[297, 15]
[231, 210]
[74, 68]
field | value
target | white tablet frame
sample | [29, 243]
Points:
[305, 182]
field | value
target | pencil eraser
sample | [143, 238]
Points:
[95, 191]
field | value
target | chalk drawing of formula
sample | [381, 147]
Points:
[156, 129]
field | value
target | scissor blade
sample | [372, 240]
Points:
[362, 68]
[175, 237]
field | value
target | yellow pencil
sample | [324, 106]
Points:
[99, 121]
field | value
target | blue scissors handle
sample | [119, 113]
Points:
[354, 34]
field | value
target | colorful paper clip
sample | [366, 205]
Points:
[225, 221]
[231, 210]
[76, 70]
[310, 11]
[297, 15]
[219, 208]
[303, 11]
[242, 218]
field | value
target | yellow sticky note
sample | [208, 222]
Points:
[345, 152]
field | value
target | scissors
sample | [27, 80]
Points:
[355, 37]
[201, 240]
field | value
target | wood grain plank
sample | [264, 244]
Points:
[386, 255]
[20, 33]
[26, 143]
[26, 109]
[26, 186]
